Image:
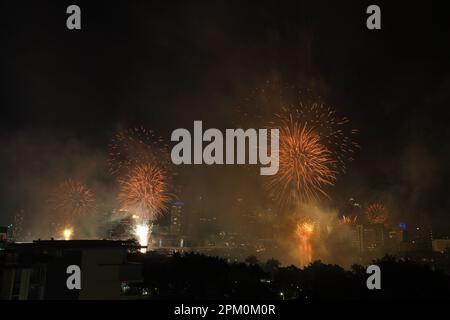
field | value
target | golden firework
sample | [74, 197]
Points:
[334, 131]
[304, 232]
[377, 213]
[136, 146]
[144, 192]
[70, 200]
[348, 220]
[305, 164]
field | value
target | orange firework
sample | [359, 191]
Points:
[133, 147]
[305, 165]
[72, 199]
[347, 220]
[274, 97]
[377, 213]
[144, 191]
[305, 232]
[334, 132]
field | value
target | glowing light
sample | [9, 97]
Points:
[142, 233]
[304, 232]
[67, 233]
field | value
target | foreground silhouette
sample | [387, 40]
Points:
[196, 276]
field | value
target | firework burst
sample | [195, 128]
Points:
[377, 213]
[316, 144]
[334, 132]
[305, 165]
[286, 100]
[144, 191]
[134, 147]
[70, 200]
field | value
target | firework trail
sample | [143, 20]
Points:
[305, 165]
[134, 147]
[144, 192]
[305, 232]
[70, 200]
[377, 213]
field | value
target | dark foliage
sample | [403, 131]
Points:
[196, 276]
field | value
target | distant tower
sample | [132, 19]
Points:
[176, 217]
[3, 233]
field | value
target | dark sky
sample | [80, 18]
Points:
[163, 64]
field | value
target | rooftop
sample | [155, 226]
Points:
[76, 244]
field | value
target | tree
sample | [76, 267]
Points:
[252, 260]
[272, 265]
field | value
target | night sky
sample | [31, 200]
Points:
[165, 64]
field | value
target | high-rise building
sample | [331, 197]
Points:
[3, 233]
[441, 245]
[37, 270]
[176, 215]
[420, 237]
[370, 237]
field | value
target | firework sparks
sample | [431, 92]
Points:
[144, 192]
[72, 199]
[377, 213]
[305, 232]
[333, 132]
[316, 144]
[305, 165]
[347, 220]
[134, 147]
[142, 231]
[286, 100]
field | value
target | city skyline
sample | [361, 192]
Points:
[241, 136]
